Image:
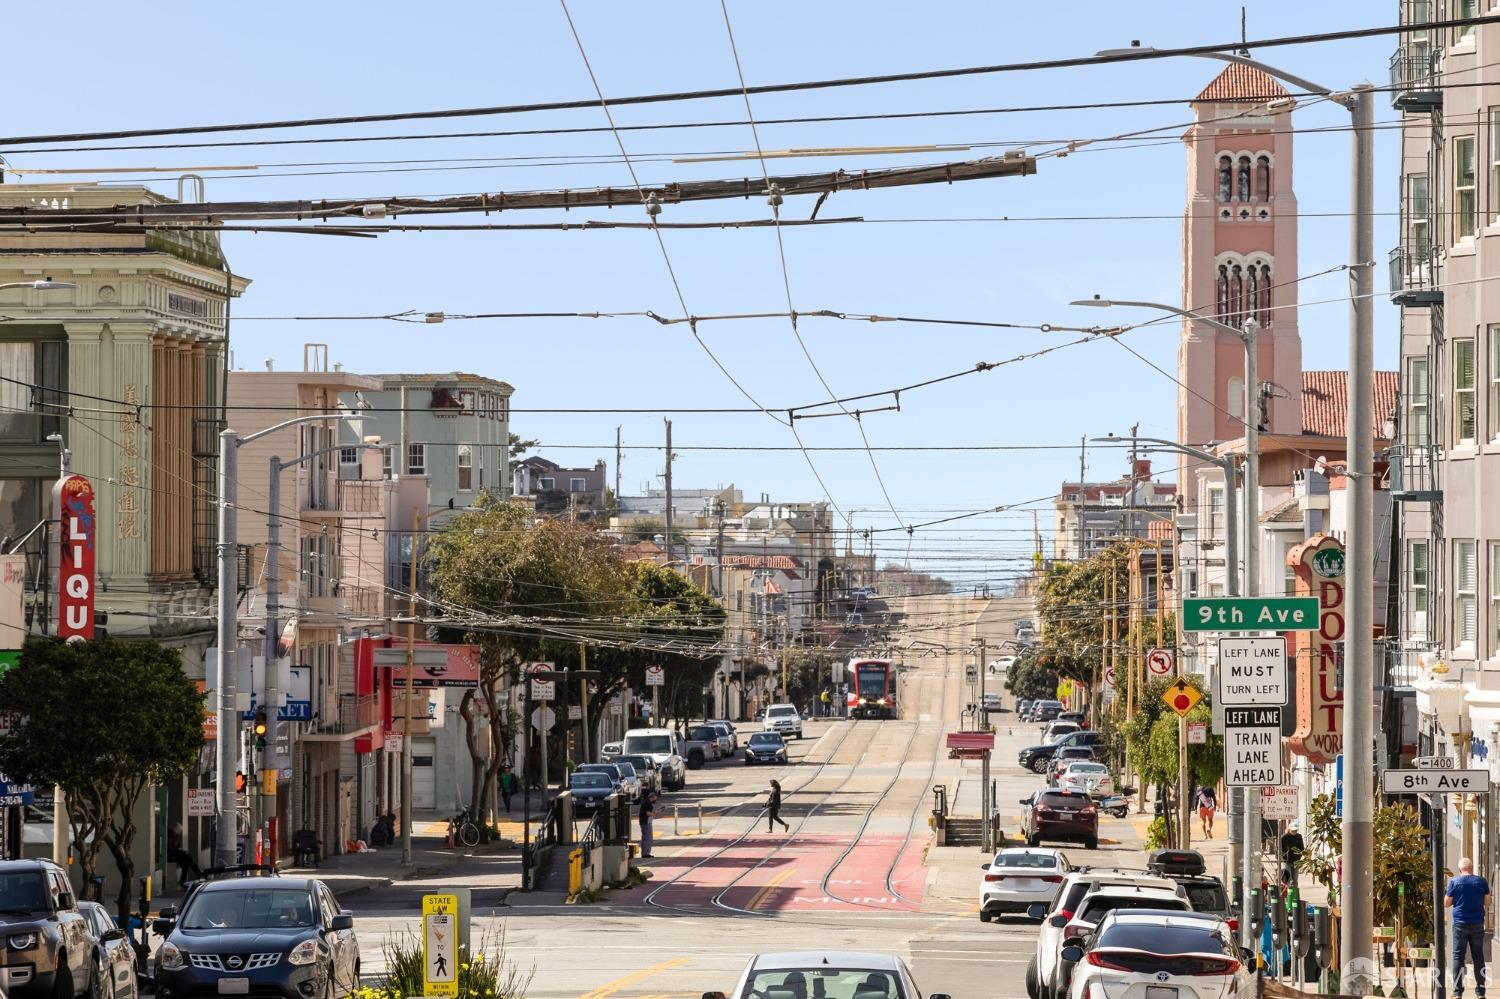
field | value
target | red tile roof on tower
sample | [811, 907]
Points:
[1239, 82]
[1325, 402]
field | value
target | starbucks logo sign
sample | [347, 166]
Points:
[1328, 563]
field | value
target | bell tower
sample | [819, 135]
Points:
[1239, 243]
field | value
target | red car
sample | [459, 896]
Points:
[1057, 814]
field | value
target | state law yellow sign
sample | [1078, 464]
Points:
[440, 945]
[1064, 690]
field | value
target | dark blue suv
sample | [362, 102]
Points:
[267, 937]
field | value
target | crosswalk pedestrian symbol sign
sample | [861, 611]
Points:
[440, 945]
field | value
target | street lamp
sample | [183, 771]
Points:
[229, 717]
[1226, 465]
[44, 284]
[1357, 969]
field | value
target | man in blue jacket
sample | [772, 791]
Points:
[1468, 895]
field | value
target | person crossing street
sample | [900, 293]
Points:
[773, 809]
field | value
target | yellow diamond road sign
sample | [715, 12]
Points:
[1181, 696]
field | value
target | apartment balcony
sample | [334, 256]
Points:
[1414, 468]
[1414, 275]
[361, 497]
[358, 714]
[1414, 79]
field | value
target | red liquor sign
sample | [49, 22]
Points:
[73, 499]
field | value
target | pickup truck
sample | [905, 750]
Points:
[703, 743]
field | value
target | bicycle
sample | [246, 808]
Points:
[462, 830]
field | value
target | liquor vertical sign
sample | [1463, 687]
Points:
[73, 499]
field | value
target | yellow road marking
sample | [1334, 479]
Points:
[770, 886]
[610, 988]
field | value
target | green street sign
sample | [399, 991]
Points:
[1250, 614]
[9, 660]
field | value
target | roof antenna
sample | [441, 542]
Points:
[1244, 39]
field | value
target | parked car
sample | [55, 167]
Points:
[268, 936]
[702, 745]
[1042, 971]
[1139, 951]
[1076, 717]
[1023, 709]
[113, 971]
[831, 973]
[785, 719]
[589, 789]
[1065, 757]
[1093, 779]
[630, 780]
[1045, 710]
[1060, 815]
[611, 770]
[1096, 906]
[734, 734]
[1038, 759]
[1205, 893]
[49, 941]
[662, 745]
[1056, 730]
[645, 769]
[727, 742]
[1019, 877]
[765, 747]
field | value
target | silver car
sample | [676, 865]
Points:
[734, 735]
[630, 781]
[728, 743]
[827, 973]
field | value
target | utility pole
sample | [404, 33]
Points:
[617, 467]
[719, 548]
[273, 636]
[411, 642]
[583, 701]
[668, 483]
[1357, 969]
[228, 741]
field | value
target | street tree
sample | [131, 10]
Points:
[102, 720]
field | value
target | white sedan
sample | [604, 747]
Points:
[1191, 956]
[1091, 778]
[1018, 878]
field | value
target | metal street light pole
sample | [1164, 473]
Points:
[226, 682]
[1249, 802]
[1357, 924]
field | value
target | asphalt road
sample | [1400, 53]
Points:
[855, 870]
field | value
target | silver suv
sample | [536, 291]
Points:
[784, 718]
[664, 748]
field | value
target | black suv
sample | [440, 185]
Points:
[49, 946]
[266, 937]
[1038, 758]
[1205, 893]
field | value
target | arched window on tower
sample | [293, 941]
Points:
[1222, 296]
[1244, 178]
[1226, 177]
[1263, 177]
[1264, 306]
[1236, 296]
[1252, 297]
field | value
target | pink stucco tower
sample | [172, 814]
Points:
[1239, 241]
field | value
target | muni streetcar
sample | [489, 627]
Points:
[872, 688]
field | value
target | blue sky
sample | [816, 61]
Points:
[191, 63]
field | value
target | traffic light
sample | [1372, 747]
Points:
[239, 780]
[260, 728]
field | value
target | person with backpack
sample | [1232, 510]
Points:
[773, 809]
[1207, 806]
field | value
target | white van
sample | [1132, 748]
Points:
[658, 743]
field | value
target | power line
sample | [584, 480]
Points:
[807, 85]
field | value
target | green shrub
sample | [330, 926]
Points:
[484, 972]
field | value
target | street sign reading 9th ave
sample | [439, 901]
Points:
[1250, 614]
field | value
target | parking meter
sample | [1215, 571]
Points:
[1301, 931]
[1257, 914]
[1322, 934]
[1236, 893]
[1278, 915]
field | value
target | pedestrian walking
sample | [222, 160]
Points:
[1207, 806]
[773, 809]
[1468, 895]
[1292, 849]
[177, 855]
[507, 784]
[647, 815]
